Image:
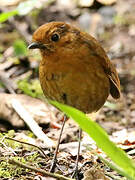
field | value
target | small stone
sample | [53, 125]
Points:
[107, 14]
[86, 3]
[85, 21]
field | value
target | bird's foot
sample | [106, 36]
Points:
[53, 165]
[76, 174]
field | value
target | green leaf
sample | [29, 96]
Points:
[101, 138]
[22, 9]
[20, 48]
[6, 15]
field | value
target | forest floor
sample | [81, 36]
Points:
[114, 27]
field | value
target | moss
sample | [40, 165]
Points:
[9, 170]
[31, 88]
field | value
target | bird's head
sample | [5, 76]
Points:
[53, 36]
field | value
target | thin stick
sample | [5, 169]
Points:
[12, 139]
[9, 148]
[7, 82]
[45, 173]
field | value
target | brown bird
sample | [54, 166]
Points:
[74, 69]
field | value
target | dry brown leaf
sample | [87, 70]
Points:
[95, 174]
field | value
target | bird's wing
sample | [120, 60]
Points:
[98, 51]
[111, 73]
[114, 81]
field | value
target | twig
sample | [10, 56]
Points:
[12, 139]
[45, 173]
[31, 123]
[22, 76]
[122, 55]
[8, 148]
[7, 82]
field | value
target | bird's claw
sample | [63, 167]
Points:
[76, 174]
[53, 165]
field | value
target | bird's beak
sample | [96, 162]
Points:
[36, 45]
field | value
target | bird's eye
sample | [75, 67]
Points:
[55, 37]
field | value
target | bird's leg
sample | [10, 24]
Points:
[75, 172]
[57, 148]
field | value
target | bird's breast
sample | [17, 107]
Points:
[80, 83]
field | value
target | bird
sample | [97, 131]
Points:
[74, 69]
